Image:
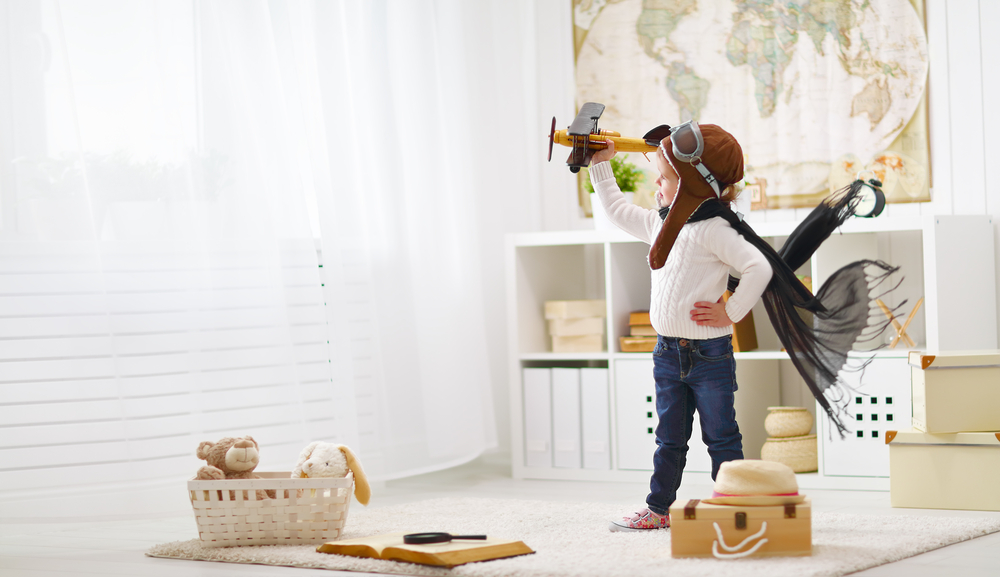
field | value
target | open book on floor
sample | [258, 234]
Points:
[391, 546]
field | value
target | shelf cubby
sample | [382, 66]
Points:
[945, 260]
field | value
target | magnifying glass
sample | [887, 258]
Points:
[424, 538]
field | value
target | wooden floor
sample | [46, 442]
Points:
[116, 547]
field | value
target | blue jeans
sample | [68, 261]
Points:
[692, 374]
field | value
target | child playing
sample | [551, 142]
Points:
[693, 364]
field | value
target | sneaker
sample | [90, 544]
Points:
[641, 520]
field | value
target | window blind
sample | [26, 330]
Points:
[116, 359]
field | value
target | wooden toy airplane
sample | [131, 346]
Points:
[585, 138]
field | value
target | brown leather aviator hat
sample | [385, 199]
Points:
[721, 164]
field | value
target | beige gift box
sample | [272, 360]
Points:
[956, 391]
[944, 471]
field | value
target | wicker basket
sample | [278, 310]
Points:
[788, 422]
[799, 453]
[304, 512]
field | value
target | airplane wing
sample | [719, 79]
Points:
[586, 120]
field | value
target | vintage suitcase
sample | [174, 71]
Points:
[955, 392]
[699, 529]
[944, 471]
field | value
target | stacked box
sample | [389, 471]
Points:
[944, 471]
[576, 326]
[951, 459]
[955, 392]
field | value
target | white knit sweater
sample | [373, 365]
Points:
[698, 266]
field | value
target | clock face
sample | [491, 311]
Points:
[872, 202]
[867, 203]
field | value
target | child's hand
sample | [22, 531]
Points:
[604, 155]
[711, 314]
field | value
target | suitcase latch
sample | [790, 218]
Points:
[741, 520]
[790, 511]
[689, 509]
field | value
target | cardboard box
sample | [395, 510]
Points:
[575, 309]
[692, 530]
[576, 327]
[944, 471]
[578, 344]
[955, 392]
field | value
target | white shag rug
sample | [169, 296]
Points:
[572, 539]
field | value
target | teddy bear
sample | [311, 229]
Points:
[321, 459]
[231, 458]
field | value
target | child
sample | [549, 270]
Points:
[693, 364]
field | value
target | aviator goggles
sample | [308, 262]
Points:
[688, 145]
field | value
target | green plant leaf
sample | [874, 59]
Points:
[627, 175]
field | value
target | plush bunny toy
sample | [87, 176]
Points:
[321, 459]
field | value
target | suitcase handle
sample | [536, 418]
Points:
[731, 555]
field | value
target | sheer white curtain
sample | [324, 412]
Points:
[410, 202]
[159, 275]
[159, 280]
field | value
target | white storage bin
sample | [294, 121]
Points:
[881, 402]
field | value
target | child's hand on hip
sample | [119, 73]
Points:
[605, 154]
[711, 314]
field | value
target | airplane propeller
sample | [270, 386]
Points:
[552, 134]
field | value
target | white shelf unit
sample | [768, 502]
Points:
[946, 260]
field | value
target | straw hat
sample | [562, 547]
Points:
[753, 482]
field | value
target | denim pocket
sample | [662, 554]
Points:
[659, 348]
[715, 349]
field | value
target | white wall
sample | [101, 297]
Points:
[964, 128]
[965, 123]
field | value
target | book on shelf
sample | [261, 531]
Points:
[638, 318]
[642, 335]
[744, 332]
[450, 554]
[637, 344]
[642, 331]
[574, 309]
[639, 325]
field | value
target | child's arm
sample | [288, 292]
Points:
[635, 220]
[755, 274]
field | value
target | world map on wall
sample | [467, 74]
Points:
[814, 90]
